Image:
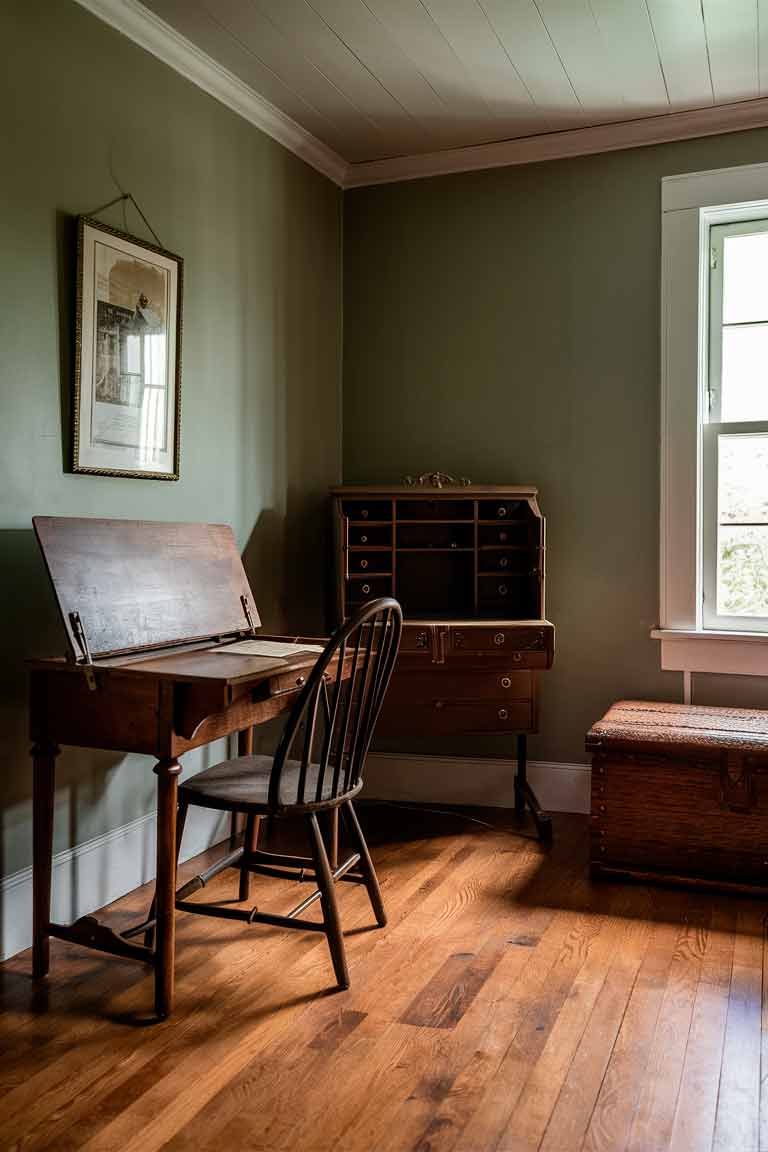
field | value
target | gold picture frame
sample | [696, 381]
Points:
[128, 326]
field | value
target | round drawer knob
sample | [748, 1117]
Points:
[499, 639]
[506, 682]
[503, 537]
[300, 681]
[458, 639]
[502, 589]
[438, 704]
[366, 588]
[421, 640]
[503, 562]
[501, 510]
[364, 513]
[503, 714]
[363, 563]
[517, 657]
[363, 539]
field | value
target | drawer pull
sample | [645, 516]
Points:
[363, 563]
[506, 682]
[503, 537]
[300, 681]
[499, 639]
[422, 640]
[517, 657]
[503, 714]
[363, 539]
[458, 639]
[502, 589]
[501, 510]
[438, 704]
[503, 562]
[364, 513]
[366, 588]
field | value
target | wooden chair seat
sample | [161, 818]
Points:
[242, 785]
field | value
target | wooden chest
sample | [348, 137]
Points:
[681, 791]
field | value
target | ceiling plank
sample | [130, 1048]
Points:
[592, 70]
[187, 17]
[355, 24]
[259, 36]
[679, 29]
[732, 39]
[466, 27]
[304, 27]
[529, 46]
[628, 34]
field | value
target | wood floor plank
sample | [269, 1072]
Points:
[738, 1104]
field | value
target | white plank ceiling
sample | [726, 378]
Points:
[374, 79]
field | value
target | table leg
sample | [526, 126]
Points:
[251, 832]
[521, 778]
[44, 768]
[167, 772]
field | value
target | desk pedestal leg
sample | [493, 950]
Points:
[167, 772]
[44, 765]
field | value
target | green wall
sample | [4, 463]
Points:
[86, 113]
[504, 325]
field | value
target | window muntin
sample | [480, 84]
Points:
[735, 432]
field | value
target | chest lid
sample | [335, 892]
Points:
[631, 724]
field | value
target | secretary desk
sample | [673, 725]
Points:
[467, 563]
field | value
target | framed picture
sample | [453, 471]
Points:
[127, 404]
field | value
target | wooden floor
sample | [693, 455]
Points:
[510, 1004]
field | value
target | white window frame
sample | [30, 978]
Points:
[690, 205]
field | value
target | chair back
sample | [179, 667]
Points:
[321, 754]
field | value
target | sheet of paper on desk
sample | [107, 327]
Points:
[266, 648]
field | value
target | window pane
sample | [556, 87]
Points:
[745, 278]
[742, 542]
[743, 479]
[742, 578]
[744, 378]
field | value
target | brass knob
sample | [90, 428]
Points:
[438, 704]
[517, 657]
[503, 714]
[453, 544]
[499, 639]
[503, 562]
[503, 537]
[506, 682]
[421, 640]
[364, 513]
[300, 681]
[458, 639]
[366, 588]
[363, 539]
[502, 589]
[501, 510]
[363, 563]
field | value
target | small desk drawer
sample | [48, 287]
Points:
[451, 683]
[518, 561]
[371, 536]
[368, 588]
[522, 647]
[367, 509]
[405, 714]
[502, 509]
[369, 563]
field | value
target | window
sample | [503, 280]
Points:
[735, 430]
[714, 422]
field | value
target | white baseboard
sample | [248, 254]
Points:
[455, 780]
[97, 872]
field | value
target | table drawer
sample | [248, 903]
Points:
[369, 563]
[376, 510]
[402, 713]
[498, 639]
[368, 588]
[371, 536]
[475, 684]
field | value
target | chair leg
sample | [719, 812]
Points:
[181, 818]
[329, 904]
[250, 841]
[366, 865]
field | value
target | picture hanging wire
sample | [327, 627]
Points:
[119, 199]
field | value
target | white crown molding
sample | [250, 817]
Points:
[661, 129]
[155, 36]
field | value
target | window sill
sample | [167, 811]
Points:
[727, 653]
